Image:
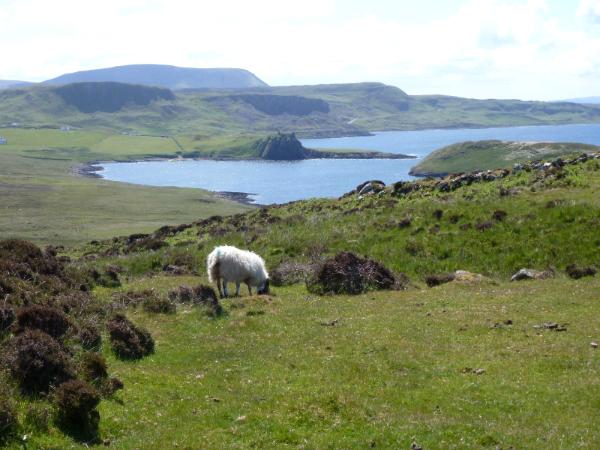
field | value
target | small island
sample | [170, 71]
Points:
[286, 147]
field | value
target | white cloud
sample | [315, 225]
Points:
[483, 48]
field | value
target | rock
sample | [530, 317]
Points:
[370, 187]
[594, 345]
[531, 274]
[464, 276]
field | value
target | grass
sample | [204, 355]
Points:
[455, 366]
[392, 371]
[44, 202]
[353, 109]
[483, 155]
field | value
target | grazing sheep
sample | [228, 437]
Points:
[234, 265]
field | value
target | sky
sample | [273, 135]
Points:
[528, 49]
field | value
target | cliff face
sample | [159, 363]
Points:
[110, 96]
[280, 147]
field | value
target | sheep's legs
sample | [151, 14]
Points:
[225, 294]
[249, 289]
[219, 288]
[237, 289]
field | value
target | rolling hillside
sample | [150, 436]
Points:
[485, 155]
[170, 77]
[309, 111]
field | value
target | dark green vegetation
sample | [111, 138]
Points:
[276, 105]
[484, 155]
[109, 96]
[322, 110]
[170, 77]
[472, 364]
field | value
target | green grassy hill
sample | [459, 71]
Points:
[475, 364]
[44, 201]
[484, 155]
[322, 110]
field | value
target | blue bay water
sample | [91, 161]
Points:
[279, 182]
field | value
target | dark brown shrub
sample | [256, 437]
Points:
[482, 226]
[159, 305]
[76, 403]
[49, 320]
[149, 243]
[89, 336]
[205, 295]
[7, 317]
[29, 255]
[437, 279]
[93, 367]
[405, 223]
[127, 340]
[454, 218]
[37, 361]
[347, 273]
[575, 271]
[182, 294]
[110, 386]
[499, 215]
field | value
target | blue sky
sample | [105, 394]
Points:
[529, 49]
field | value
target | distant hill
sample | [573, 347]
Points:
[6, 84]
[584, 100]
[309, 111]
[110, 96]
[170, 77]
[484, 155]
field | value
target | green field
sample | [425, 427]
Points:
[483, 155]
[462, 365]
[42, 200]
[351, 109]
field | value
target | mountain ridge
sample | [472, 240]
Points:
[167, 76]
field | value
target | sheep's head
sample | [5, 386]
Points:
[263, 289]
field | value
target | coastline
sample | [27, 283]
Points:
[90, 169]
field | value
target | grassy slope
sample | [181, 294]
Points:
[482, 155]
[354, 109]
[44, 202]
[392, 370]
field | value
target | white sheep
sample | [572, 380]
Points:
[234, 265]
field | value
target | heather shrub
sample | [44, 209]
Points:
[347, 273]
[437, 279]
[50, 320]
[156, 304]
[7, 317]
[76, 403]
[127, 340]
[89, 336]
[37, 361]
[576, 271]
[93, 367]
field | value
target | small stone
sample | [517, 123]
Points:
[415, 446]
[106, 442]
[594, 345]
[241, 419]
[479, 371]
